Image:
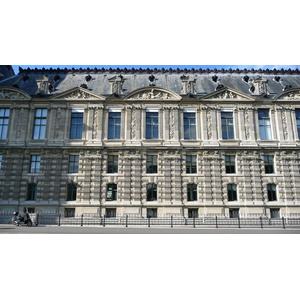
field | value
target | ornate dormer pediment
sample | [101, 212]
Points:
[150, 93]
[291, 94]
[77, 93]
[227, 94]
[9, 93]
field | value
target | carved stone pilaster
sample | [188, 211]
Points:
[284, 125]
[172, 125]
[247, 126]
[133, 124]
[95, 124]
[57, 122]
[209, 124]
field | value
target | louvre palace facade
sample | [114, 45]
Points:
[150, 142]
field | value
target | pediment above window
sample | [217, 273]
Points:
[291, 94]
[8, 93]
[152, 94]
[227, 94]
[77, 94]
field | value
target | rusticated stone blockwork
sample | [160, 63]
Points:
[126, 142]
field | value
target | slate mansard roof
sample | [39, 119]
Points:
[207, 81]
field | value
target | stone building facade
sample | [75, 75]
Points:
[151, 142]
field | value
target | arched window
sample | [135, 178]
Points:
[71, 192]
[112, 192]
[231, 192]
[192, 192]
[151, 192]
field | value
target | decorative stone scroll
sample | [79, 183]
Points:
[12, 95]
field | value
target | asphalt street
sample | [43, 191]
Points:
[11, 229]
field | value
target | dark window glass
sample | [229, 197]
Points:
[31, 191]
[71, 192]
[111, 212]
[192, 192]
[73, 163]
[269, 164]
[233, 212]
[272, 192]
[151, 192]
[191, 164]
[189, 121]
[112, 164]
[40, 120]
[4, 118]
[264, 124]
[114, 125]
[69, 212]
[151, 212]
[275, 213]
[112, 192]
[230, 164]
[35, 164]
[231, 191]
[227, 125]
[193, 212]
[297, 111]
[151, 125]
[0, 161]
[76, 125]
[151, 164]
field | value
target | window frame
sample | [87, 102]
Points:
[272, 195]
[76, 129]
[229, 164]
[151, 166]
[33, 169]
[71, 191]
[112, 164]
[272, 167]
[297, 117]
[189, 165]
[112, 212]
[232, 195]
[31, 191]
[151, 212]
[264, 125]
[114, 129]
[114, 192]
[40, 124]
[151, 192]
[4, 123]
[152, 124]
[73, 165]
[189, 129]
[192, 192]
[227, 129]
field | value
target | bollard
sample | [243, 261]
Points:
[261, 223]
[81, 220]
[283, 226]
[216, 221]
[59, 219]
[126, 220]
[171, 221]
[103, 221]
[239, 223]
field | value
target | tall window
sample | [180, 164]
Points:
[151, 164]
[71, 192]
[269, 164]
[73, 163]
[4, 117]
[40, 120]
[271, 192]
[31, 192]
[192, 192]
[151, 192]
[35, 164]
[151, 125]
[112, 164]
[227, 125]
[189, 123]
[191, 164]
[230, 164]
[114, 125]
[264, 124]
[231, 192]
[297, 111]
[76, 125]
[112, 192]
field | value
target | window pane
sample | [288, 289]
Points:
[189, 121]
[192, 192]
[40, 120]
[114, 125]
[151, 125]
[73, 163]
[151, 165]
[76, 125]
[231, 191]
[264, 124]
[227, 125]
[112, 164]
[35, 161]
[269, 164]
[191, 164]
[230, 164]
[4, 117]
[151, 192]
[297, 111]
[271, 192]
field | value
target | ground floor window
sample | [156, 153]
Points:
[31, 210]
[69, 212]
[233, 213]
[193, 212]
[111, 213]
[151, 212]
[275, 213]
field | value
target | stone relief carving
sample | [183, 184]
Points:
[209, 124]
[11, 95]
[116, 84]
[152, 95]
[247, 126]
[95, 125]
[133, 124]
[291, 96]
[172, 125]
[227, 95]
[57, 123]
[79, 94]
[284, 125]
[188, 85]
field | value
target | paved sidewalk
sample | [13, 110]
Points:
[41, 229]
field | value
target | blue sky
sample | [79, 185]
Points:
[16, 67]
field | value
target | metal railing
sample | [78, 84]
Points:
[217, 221]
